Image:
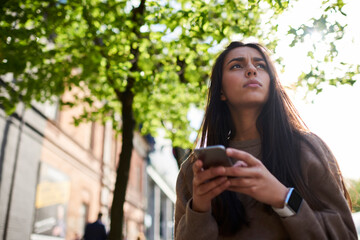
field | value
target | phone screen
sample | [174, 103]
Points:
[213, 156]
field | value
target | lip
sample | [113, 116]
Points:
[252, 83]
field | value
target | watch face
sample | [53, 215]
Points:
[295, 201]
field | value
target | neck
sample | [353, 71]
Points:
[245, 124]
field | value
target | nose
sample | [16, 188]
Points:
[251, 71]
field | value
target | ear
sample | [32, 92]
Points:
[222, 96]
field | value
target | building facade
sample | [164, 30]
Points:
[21, 141]
[159, 219]
[55, 178]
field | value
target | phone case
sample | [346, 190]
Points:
[213, 156]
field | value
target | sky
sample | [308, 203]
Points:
[334, 114]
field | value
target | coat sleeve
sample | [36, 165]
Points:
[323, 178]
[190, 224]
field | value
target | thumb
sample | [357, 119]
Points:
[240, 164]
[247, 158]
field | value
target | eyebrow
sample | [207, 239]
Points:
[242, 59]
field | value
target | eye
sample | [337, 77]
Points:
[261, 66]
[236, 66]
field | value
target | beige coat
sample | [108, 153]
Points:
[333, 223]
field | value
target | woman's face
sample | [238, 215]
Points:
[245, 80]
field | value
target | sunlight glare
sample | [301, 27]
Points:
[316, 36]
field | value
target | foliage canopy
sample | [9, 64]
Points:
[54, 46]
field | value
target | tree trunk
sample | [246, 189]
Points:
[117, 210]
[126, 98]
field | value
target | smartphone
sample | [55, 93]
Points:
[213, 156]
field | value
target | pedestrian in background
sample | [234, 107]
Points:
[95, 230]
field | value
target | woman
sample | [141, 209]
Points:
[285, 182]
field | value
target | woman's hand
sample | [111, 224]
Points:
[255, 180]
[207, 184]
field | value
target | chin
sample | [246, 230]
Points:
[254, 101]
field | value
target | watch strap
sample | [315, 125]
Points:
[290, 208]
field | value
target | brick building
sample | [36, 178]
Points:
[55, 177]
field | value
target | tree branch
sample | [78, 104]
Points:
[2, 4]
[181, 73]
[99, 42]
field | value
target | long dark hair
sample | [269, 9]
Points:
[281, 130]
